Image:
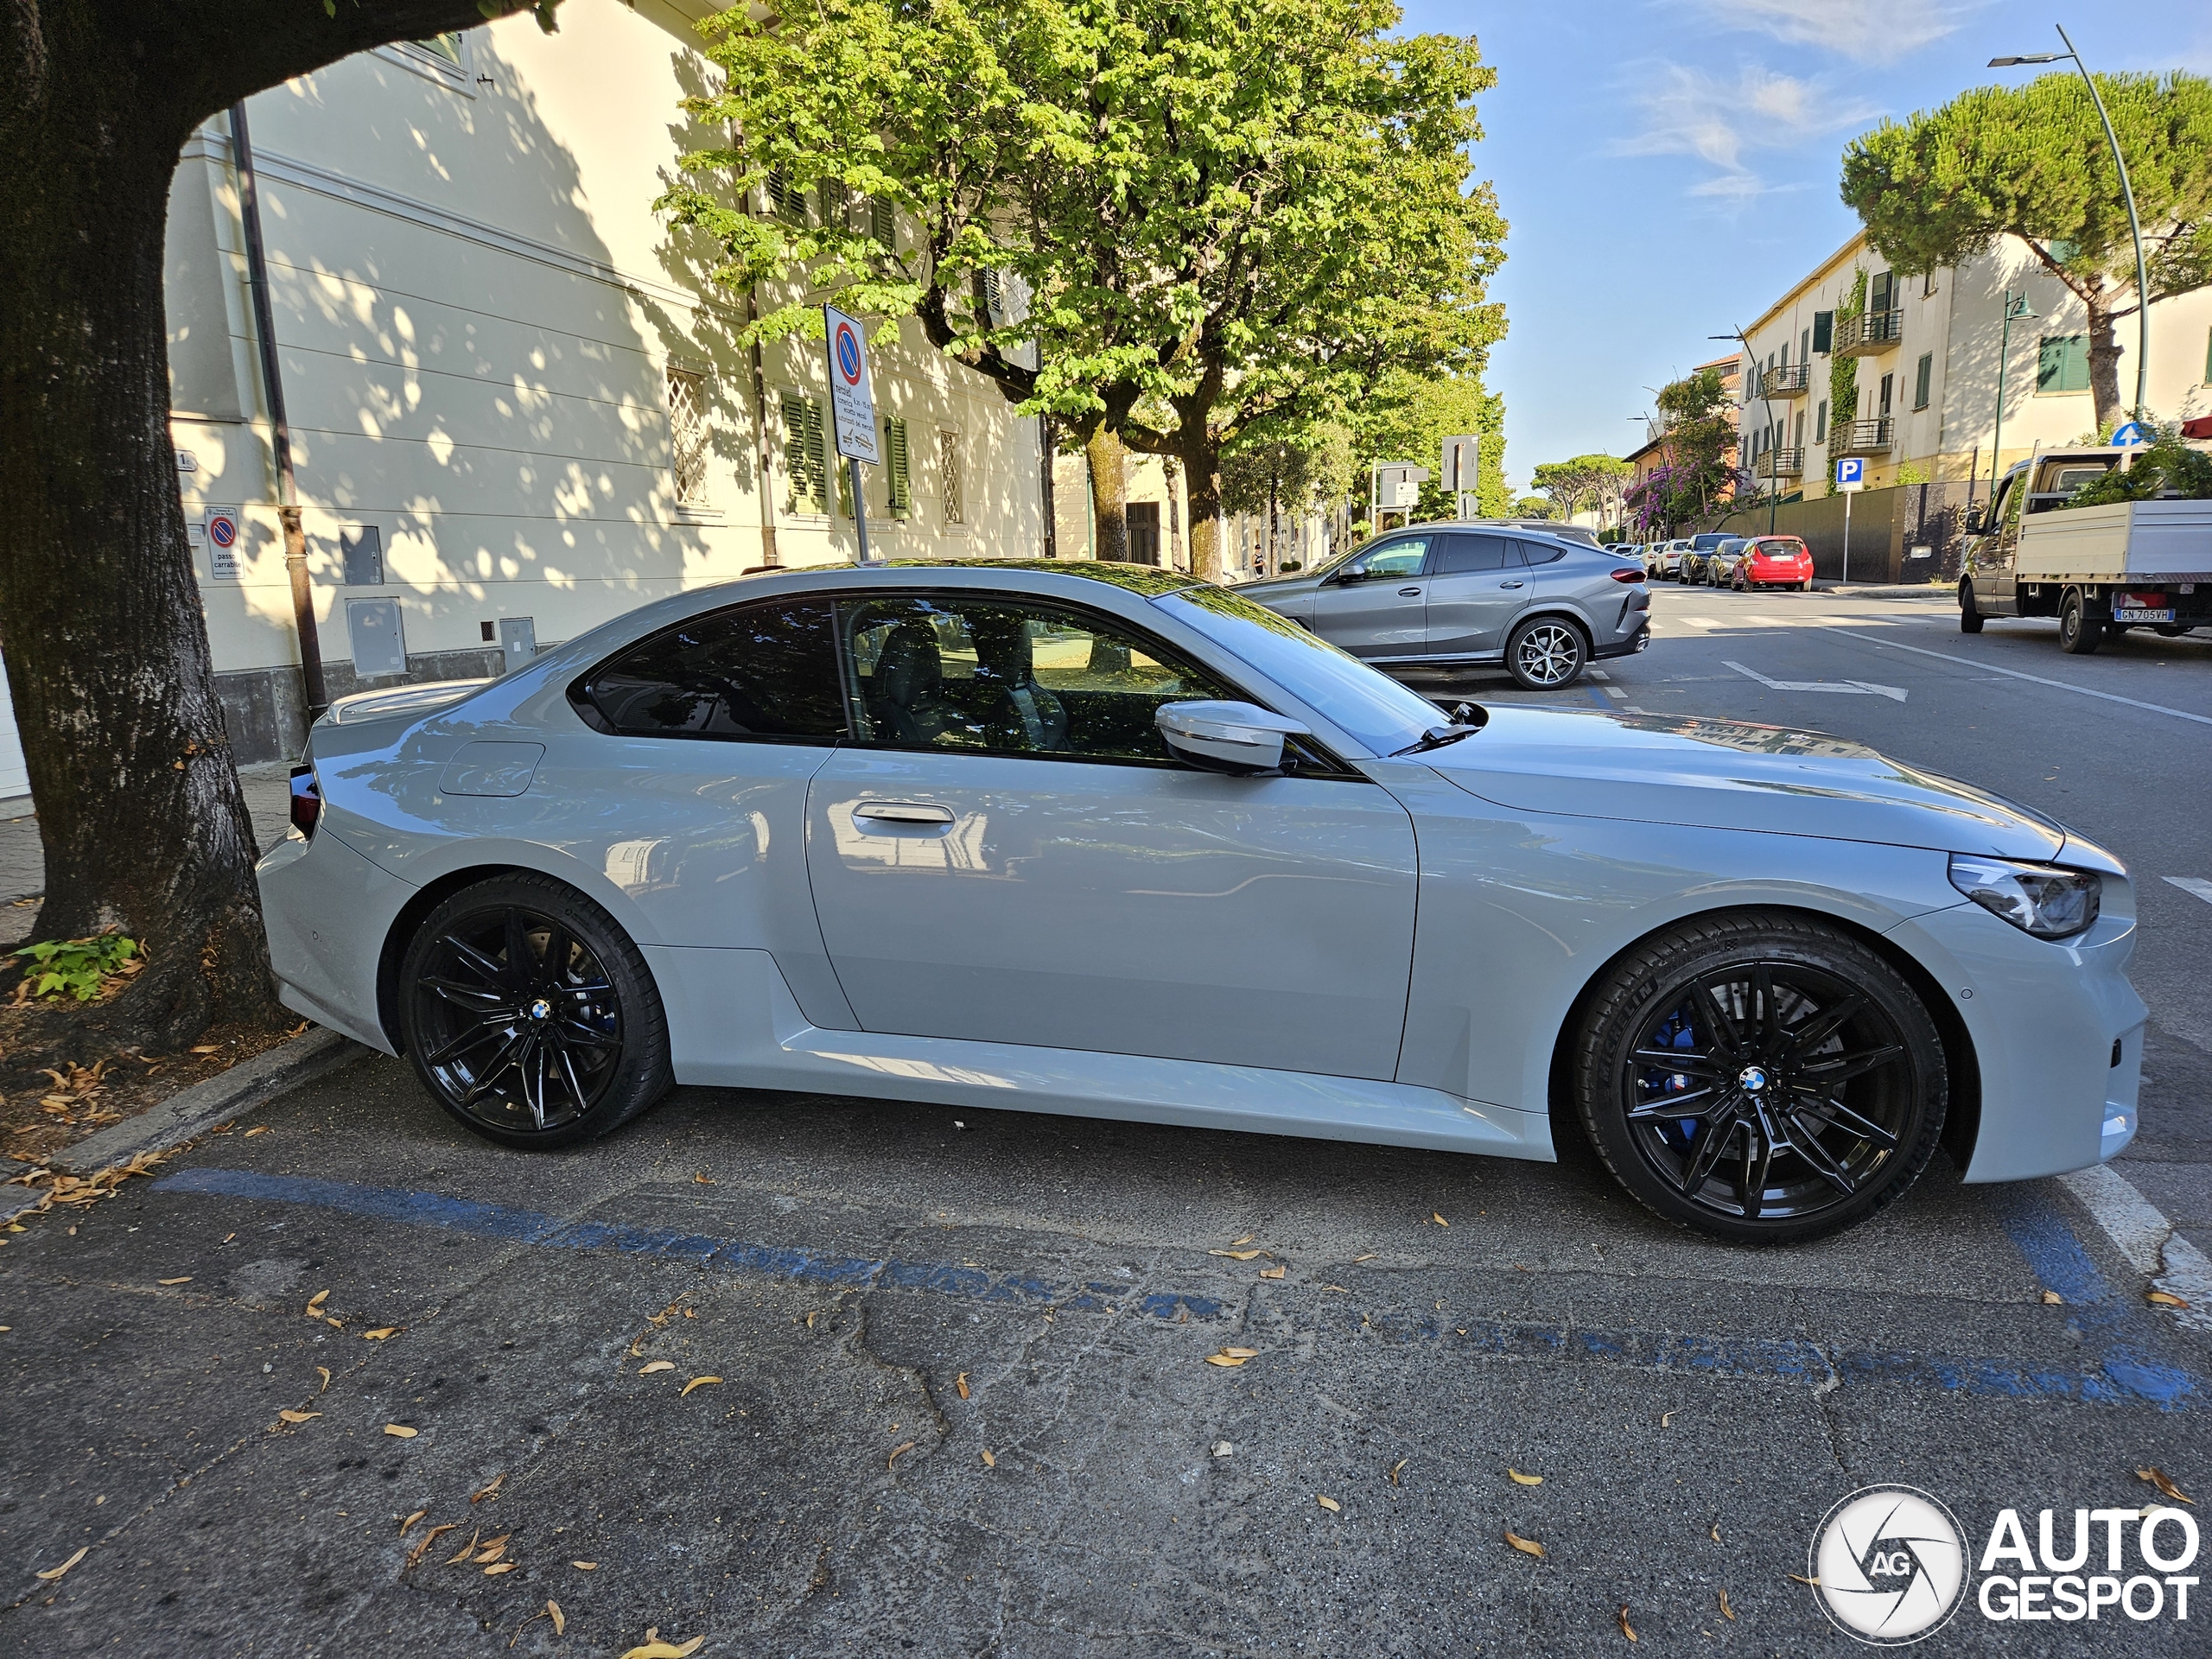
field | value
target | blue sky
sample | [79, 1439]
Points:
[1668, 167]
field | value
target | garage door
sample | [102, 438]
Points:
[14, 780]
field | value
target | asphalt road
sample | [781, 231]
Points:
[959, 1399]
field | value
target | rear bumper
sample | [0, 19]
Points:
[1635, 642]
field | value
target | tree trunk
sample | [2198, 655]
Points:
[1109, 492]
[1202, 464]
[2104, 357]
[138, 803]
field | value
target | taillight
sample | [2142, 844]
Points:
[1629, 573]
[306, 800]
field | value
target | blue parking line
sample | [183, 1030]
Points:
[2121, 1378]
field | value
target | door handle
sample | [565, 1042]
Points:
[1408, 593]
[1512, 584]
[902, 812]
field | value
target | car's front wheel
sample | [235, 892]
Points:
[1546, 652]
[530, 1015]
[1970, 617]
[1760, 1076]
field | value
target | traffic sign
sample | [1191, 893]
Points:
[1461, 456]
[1851, 473]
[852, 392]
[1397, 486]
[225, 529]
[2132, 436]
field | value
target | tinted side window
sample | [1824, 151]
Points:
[1463, 554]
[760, 671]
[1542, 552]
[1400, 558]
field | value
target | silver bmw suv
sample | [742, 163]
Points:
[1460, 595]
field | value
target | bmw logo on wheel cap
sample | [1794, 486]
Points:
[1891, 1566]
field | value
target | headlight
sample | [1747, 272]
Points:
[2038, 899]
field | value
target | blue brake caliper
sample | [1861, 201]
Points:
[1677, 1033]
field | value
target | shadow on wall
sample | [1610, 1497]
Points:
[466, 370]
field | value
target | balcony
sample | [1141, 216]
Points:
[1868, 334]
[1872, 437]
[1782, 463]
[1790, 380]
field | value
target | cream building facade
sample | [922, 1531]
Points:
[516, 407]
[1924, 353]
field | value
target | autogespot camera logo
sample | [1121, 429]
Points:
[1890, 1564]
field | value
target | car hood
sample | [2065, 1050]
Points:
[1725, 774]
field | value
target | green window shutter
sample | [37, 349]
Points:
[2077, 362]
[2051, 364]
[2063, 364]
[882, 223]
[1881, 293]
[818, 457]
[785, 199]
[1821, 422]
[895, 458]
[1921, 375]
[1823, 332]
[803, 456]
[831, 199]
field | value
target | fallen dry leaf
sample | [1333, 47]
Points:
[1247, 1239]
[258, 1128]
[1526, 1545]
[208, 1048]
[656, 1366]
[498, 1567]
[466, 1551]
[654, 1647]
[339, 1324]
[1666, 1420]
[699, 1382]
[494, 1549]
[560, 1623]
[2159, 1478]
[1727, 1611]
[1627, 1628]
[1796, 1579]
[1438, 1219]
[585, 1566]
[380, 1332]
[298, 1416]
[1716, 1532]
[989, 1462]
[1226, 1359]
[316, 1302]
[1237, 1255]
[1241, 1353]
[401, 1432]
[325, 1370]
[961, 1383]
[1397, 1467]
[1357, 1260]
[2166, 1299]
[1273, 1273]
[184, 1281]
[2052, 1299]
[410, 1521]
[422, 1544]
[702, 1180]
[492, 1491]
[53, 1573]
[1326, 1502]
[1520, 1479]
[899, 1453]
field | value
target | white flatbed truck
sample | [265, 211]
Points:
[2098, 570]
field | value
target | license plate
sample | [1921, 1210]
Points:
[2140, 613]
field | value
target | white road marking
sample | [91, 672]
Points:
[2038, 679]
[1599, 674]
[1615, 691]
[2195, 884]
[1849, 688]
[2147, 1239]
[1701, 621]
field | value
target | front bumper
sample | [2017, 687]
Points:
[2057, 1032]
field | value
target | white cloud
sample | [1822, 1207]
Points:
[1688, 111]
[1866, 31]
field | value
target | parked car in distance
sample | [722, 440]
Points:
[1669, 558]
[1692, 569]
[1774, 561]
[1720, 564]
[1469, 594]
[1103, 840]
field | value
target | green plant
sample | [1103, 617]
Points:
[1843, 374]
[77, 966]
[2167, 467]
[1910, 473]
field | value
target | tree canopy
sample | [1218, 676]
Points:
[1407, 417]
[1227, 215]
[1593, 481]
[1698, 444]
[2032, 161]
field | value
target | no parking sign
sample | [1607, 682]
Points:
[225, 529]
[852, 393]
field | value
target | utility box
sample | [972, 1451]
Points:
[517, 642]
[360, 549]
[380, 647]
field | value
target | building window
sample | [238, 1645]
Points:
[2064, 364]
[1821, 422]
[948, 472]
[1923, 373]
[834, 202]
[805, 458]
[1797, 431]
[785, 199]
[686, 435]
[1882, 293]
[1805, 346]
[442, 58]
[1823, 331]
[898, 475]
[882, 223]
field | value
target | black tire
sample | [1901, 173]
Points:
[1814, 1076]
[570, 1046]
[1970, 618]
[2079, 634]
[1546, 654]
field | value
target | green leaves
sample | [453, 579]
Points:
[77, 967]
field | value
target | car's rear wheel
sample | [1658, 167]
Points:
[1546, 652]
[2079, 634]
[1761, 1077]
[1970, 618]
[530, 1015]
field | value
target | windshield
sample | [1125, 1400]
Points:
[1373, 707]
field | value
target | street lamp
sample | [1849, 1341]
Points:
[1766, 414]
[2127, 192]
[2016, 306]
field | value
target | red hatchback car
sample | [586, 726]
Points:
[1775, 561]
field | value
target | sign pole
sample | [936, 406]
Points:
[1846, 538]
[860, 507]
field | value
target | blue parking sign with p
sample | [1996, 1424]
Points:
[1851, 471]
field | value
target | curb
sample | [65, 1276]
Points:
[245, 1088]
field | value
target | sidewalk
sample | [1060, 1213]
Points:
[23, 859]
[1871, 590]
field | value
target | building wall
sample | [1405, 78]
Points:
[478, 313]
[1145, 479]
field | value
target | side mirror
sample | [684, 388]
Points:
[1350, 573]
[1234, 737]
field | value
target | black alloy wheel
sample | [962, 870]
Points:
[530, 1016]
[1762, 1078]
[1970, 617]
